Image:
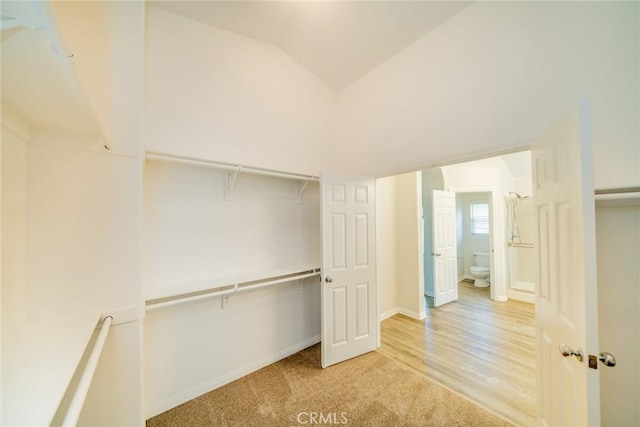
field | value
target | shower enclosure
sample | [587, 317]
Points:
[520, 252]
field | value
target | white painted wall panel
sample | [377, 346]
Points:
[80, 236]
[193, 234]
[409, 244]
[216, 95]
[618, 246]
[386, 259]
[494, 77]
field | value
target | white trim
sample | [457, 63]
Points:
[389, 313]
[414, 315]
[497, 241]
[183, 397]
[399, 310]
[522, 296]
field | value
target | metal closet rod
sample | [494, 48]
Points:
[80, 395]
[233, 288]
[617, 194]
[151, 155]
[620, 190]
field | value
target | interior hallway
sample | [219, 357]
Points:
[483, 349]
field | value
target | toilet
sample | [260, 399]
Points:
[480, 270]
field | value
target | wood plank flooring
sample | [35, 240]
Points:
[483, 349]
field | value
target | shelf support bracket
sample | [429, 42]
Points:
[232, 177]
[300, 191]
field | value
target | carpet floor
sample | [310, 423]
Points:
[370, 390]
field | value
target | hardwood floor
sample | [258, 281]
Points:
[484, 350]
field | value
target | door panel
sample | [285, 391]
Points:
[445, 257]
[566, 310]
[349, 305]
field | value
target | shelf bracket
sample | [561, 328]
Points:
[300, 191]
[224, 299]
[232, 177]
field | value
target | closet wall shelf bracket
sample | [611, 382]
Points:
[232, 176]
[301, 187]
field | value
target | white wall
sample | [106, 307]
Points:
[386, 243]
[216, 95]
[194, 237]
[409, 244]
[107, 41]
[495, 77]
[76, 214]
[83, 239]
[399, 245]
[618, 251]
[14, 216]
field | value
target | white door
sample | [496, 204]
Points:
[445, 254]
[566, 310]
[350, 324]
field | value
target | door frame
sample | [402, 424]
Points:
[498, 290]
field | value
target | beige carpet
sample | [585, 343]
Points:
[370, 390]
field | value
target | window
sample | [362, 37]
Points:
[479, 218]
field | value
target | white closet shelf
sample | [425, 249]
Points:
[233, 169]
[39, 364]
[226, 284]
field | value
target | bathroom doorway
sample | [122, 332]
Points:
[473, 237]
[499, 180]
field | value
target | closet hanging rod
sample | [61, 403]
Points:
[151, 155]
[624, 194]
[234, 289]
[77, 402]
[620, 190]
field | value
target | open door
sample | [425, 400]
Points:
[566, 306]
[350, 324]
[445, 253]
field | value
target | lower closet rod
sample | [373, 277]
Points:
[236, 289]
[75, 407]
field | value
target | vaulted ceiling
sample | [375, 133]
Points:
[339, 41]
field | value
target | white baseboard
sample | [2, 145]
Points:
[521, 285]
[522, 296]
[183, 397]
[412, 314]
[389, 313]
[400, 310]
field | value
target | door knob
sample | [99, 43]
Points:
[567, 351]
[607, 359]
[435, 254]
[328, 279]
